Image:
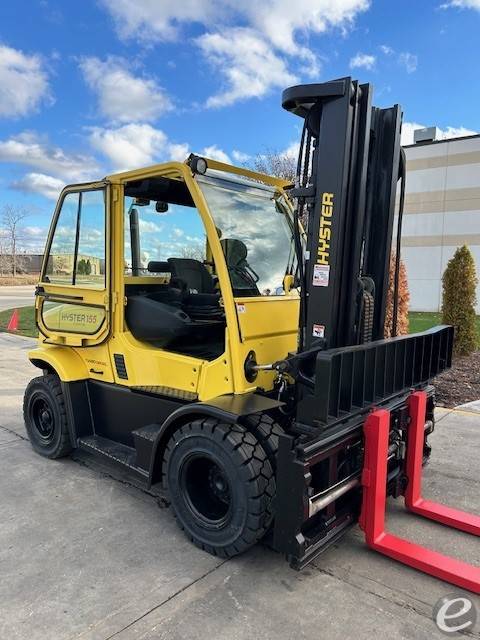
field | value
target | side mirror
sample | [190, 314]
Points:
[161, 207]
[288, 283]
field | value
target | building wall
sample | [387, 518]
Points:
[63, 263]
[442, 212]
[26, 262]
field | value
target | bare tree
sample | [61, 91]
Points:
[275, 163]
[193, 251]
[11, 220]
[5, 257]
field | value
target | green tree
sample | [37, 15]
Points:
[81, 267]
[459, 299]
[88, 267]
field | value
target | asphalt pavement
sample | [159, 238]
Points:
[86, 553]
[18, 296]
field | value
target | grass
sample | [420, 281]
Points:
[26, 321]
[422, 320]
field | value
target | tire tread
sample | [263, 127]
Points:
[257, 474]
[52, 381]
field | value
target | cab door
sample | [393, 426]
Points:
[72, 299]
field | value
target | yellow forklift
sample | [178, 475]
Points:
[220, 333]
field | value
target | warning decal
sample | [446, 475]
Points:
[318, 331]
[321, 275]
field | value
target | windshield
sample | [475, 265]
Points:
[254, 227]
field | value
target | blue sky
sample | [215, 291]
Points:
[90, 87]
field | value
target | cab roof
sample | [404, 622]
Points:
[176, 169]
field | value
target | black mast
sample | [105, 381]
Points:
[348, 173]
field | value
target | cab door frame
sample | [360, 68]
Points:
[76, 298]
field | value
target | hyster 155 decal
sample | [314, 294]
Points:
[71, 317]
[321, 269]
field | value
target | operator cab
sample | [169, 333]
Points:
[173, 293]
[173, 300]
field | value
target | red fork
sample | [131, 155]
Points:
[374, 481]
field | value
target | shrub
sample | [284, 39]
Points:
[459, 299]
[81, 267]
[403, 300]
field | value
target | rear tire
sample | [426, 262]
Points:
[45, 417]
[221, 486]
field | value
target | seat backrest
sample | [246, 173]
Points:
[193, 274]
[235, 252]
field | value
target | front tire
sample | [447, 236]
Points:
[45, 417]
[221, 486]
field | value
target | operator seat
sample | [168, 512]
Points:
[192, 275]
[200, 297]
[242, 275]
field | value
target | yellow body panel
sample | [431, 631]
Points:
[266, 325]
[64, 360]
[269, 327]
[267, 316]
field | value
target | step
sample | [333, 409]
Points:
[144, 439]
[114, 451]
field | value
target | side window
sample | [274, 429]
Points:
[62, 250]
[77, 251]
[90, 263]
[176, 231]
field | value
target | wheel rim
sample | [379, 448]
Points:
[43, 419]
[206, 489]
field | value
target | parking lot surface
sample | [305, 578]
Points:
[14, 297]
[86, 553]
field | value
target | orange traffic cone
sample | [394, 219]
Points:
[13, 322]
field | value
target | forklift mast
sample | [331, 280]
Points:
[348, 169]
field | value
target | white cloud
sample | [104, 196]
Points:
[148, 226]
[251, 58]
[240, 156]
[456, 132]
[135, 145]
[29, 149]
[281, 20]
[23, 83]
[178, 152]
[150, 19]
[462, 4]
[384, 48]
[32, 239]
[248, 65]
[278, 20]
[215, 153]
[362, 60]
[292, 150]
[45, 185]
[34, 231]
[409, 61]
[443, 134]
[122, 95]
